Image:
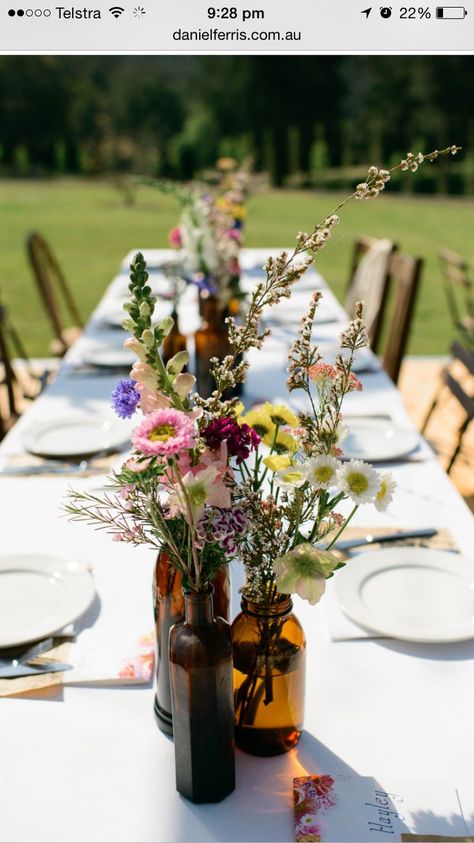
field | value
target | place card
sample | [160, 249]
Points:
[349, 809]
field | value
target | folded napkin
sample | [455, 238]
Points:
[341, 628]
[10, 687]
[114, 663]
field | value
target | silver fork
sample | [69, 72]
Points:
[34, 651]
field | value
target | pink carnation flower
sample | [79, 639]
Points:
[164, 433]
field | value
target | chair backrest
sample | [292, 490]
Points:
[52, 285]
[369, 281]
[451, 379]
[459, 288]
[405, 274]
[8, 406]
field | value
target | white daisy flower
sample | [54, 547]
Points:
[290, 478]
[384, 495]
[321, 471]
[359, 481]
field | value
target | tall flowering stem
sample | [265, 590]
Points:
[285, 270]
[208, 480]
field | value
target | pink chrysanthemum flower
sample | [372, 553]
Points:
[164, 433]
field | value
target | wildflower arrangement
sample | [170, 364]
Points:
[210, 481]
[209, 235]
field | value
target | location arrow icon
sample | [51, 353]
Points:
[366, 12]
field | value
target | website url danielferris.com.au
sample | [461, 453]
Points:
[233, 35]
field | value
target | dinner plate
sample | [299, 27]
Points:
[74, 437]
[410, 593]
[110, 357]
[378, 440]
[39, 595]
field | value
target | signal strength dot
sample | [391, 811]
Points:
[116, 11]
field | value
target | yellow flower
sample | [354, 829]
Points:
[277, 462]
[284, 443]
[281, 415]
[260, 421]
[238, 409]
[239, 212]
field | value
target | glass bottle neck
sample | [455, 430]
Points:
[211, 312]
[198, 608]
[281, 606]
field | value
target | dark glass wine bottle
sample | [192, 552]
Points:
[202, 702]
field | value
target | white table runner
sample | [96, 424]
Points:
[86, 764]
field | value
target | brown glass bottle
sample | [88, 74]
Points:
[269, 677]
[168, 606]
[211, 340]
[202, 702]
[174, 342]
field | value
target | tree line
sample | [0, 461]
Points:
[305, 120]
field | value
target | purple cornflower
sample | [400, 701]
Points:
[240, 438]
[204, 283]
[125, 398]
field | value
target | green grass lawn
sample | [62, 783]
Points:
[91, 230]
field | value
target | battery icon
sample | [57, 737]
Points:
[451, 12]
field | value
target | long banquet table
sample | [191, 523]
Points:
[88, 763]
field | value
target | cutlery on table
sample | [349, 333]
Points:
[348, 544]
[17, 657]
[15, 672]
[48, 467]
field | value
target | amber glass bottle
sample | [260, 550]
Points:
[202, 702]
[168, 605]
[269, 677]
[211, 340]
[175, 341]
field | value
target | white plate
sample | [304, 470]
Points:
[74, 436]
[39, 595]
[410, 593]
[378, 440]
[112, 357]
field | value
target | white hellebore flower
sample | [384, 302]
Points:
[359, 481]
[291, 477]
[321, 471]
[303, 571]
[384, 495]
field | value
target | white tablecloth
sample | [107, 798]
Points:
[87, 764]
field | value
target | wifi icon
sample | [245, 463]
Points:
[116, 11]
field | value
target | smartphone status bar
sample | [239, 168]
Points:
[242, 25]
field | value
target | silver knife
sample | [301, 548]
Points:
[348, 544]
[15, 671]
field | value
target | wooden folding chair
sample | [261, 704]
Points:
[450, 381]
[377, 291]
[404, 278]
[459, 290]
[55, 293]
[18, 377]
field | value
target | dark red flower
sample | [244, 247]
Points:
[240, 438]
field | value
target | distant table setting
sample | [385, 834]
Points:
[389, 695]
